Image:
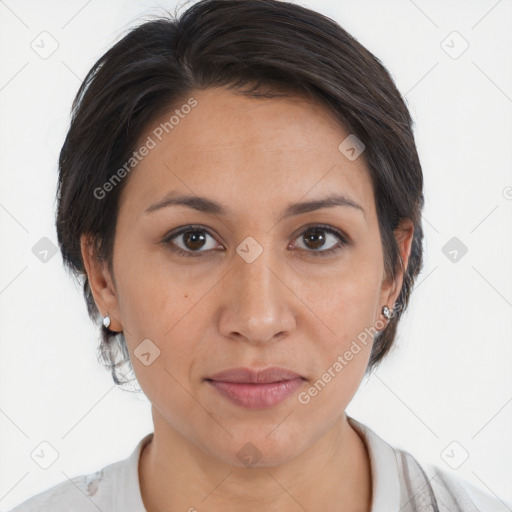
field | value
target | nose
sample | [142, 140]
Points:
[259, 305]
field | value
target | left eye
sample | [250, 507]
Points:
[316, 239]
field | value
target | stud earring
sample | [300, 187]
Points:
[386, 312]
[106, 321]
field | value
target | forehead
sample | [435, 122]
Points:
[231, 146]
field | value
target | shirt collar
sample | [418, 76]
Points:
[131, 500]
[384, 468]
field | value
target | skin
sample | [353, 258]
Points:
[288, 308]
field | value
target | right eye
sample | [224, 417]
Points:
[189, 241]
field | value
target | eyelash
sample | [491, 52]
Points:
[343, 240]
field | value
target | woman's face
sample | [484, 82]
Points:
[259, 284]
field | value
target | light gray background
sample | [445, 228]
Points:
[445, 390]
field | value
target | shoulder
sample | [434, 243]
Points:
[114, 487]
[402, 483]
[80, 494]
[427, 487]
[107, 489]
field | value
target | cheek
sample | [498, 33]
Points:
[154, 294]
[166, 305]
[344, 325]
[342, 355]
[164, 329]
[347, 301]
[171, 318]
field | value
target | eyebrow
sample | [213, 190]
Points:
[208, 206]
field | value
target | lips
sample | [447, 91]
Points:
[256, 389]
[248, 376]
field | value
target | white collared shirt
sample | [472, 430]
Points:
[399, 484]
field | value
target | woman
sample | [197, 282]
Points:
[241, 191]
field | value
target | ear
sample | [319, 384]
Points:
[390, 290]
[102, 284]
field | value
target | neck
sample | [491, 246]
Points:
[332, 474]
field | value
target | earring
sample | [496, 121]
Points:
[106, 321]
[386, 312]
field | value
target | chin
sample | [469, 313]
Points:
[259, 450]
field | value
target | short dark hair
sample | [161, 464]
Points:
[278, 48]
